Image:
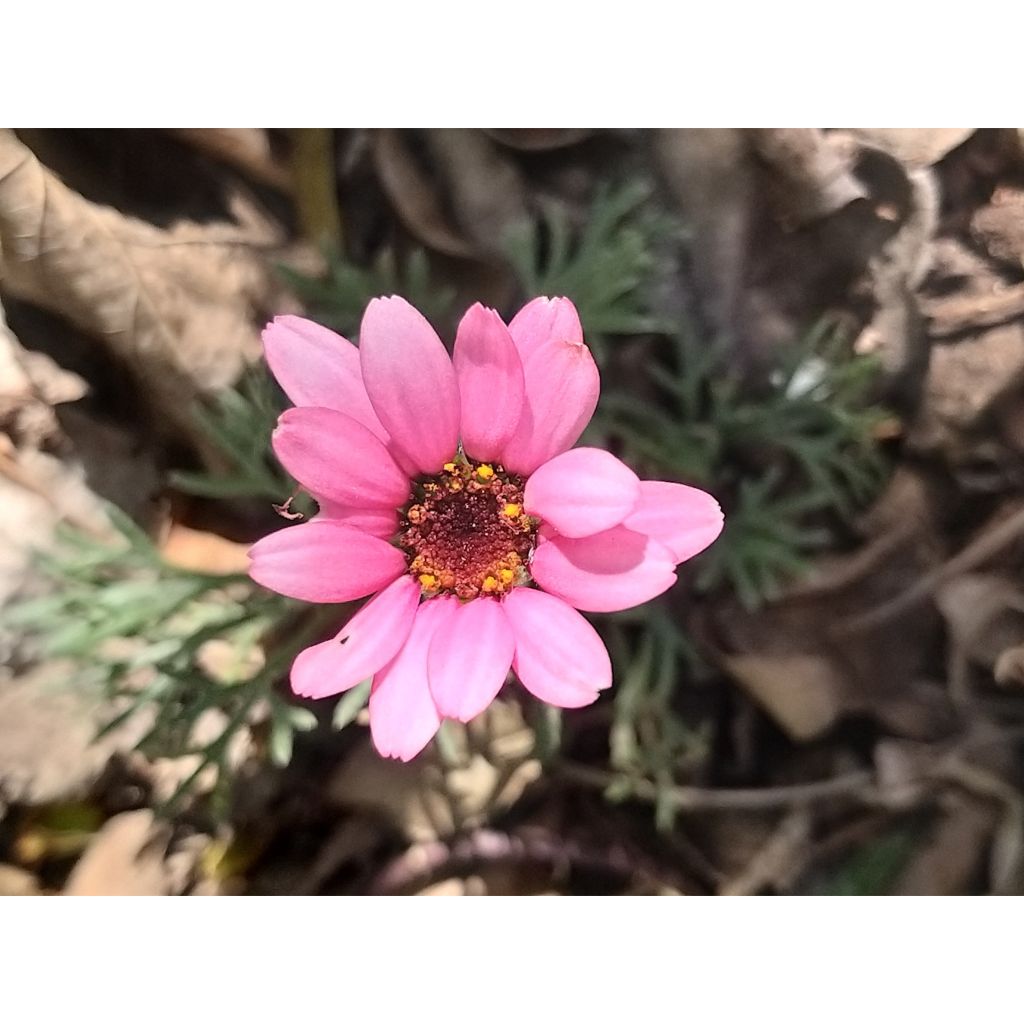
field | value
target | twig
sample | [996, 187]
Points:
[955, 317]
[425, 863]
[979, 551]
[777, 860]
[694, 798]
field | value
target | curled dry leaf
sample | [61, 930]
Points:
[178, 306]
[415, 196]
[31, 383]
[484, 186]
[916, 147]
[897, 328]
[812, 177]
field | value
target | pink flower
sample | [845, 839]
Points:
[449, 488]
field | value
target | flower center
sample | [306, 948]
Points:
[465, 531]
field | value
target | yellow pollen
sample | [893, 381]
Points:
[507, 575]
[449, 467]
[512, 510]
[485, 472]
[428, 580]
[490, 584]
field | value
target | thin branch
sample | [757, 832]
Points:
[694, 798]
[979, 551]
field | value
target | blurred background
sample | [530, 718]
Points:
[824, 328]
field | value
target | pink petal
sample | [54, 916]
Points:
[608, 572]
[545, 320]
[559, 657]
[686, 520]
[490, 377]
[411, 382]
[469, 659]
[582, 491]
[562, 388]
[315, 366]
[370, 639]
[403, 718]
[324, 561]
[381, 522]
[332, 455]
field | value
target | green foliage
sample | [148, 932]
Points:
[239, 421]
[648, 738]
[339, 298]
[784, 458]
[172, 644]
[872, 869]
[605, 268]
[238, 424]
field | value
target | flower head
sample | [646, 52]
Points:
[449, 488]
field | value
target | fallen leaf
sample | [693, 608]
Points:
[47, 750]
[180, 306]
[127, 857]
[17, 882]
[201, 551]
[803, 693]
[999, 226]
[415, 196]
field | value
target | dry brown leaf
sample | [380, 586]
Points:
[813, 177]
[999, 226]
[966, 380]
[200, 551]
[804, 693]
[31, 383]
[985, 615]
[17, 882]
[710, 174]
[178, 306]
[415, 197]
[490, 770]
[484, 187]
[247, 149]
[127, 857]
[955, 850]
[48, 750]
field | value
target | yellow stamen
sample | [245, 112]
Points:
[428, 580]
[490, 584]
[485, 472]
[449, 467]
[507, 575]
[512, 510]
